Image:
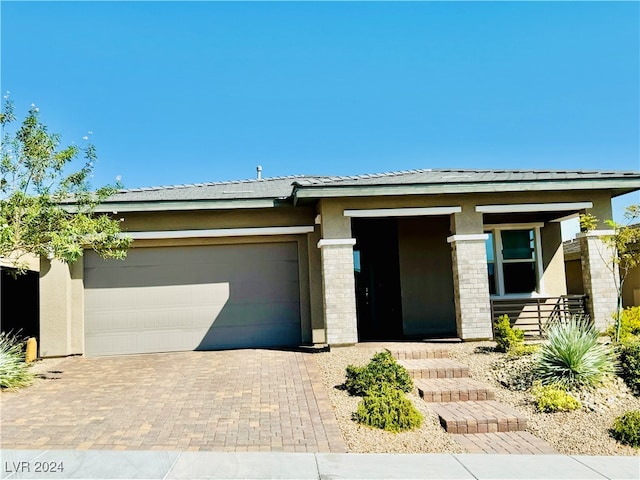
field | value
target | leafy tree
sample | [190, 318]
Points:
[47, 207]
[625, 246]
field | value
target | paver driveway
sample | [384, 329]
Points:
[241, 400]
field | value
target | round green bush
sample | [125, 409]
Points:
[387, 408]
[629, 355]
[626, 428]
[551, 399]
[382, 370]
[506, 337]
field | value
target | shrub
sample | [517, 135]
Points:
[629, 325]
[387, 408]
[521, 350]
[381, 370]
[550, 399]
[506, 338]
[626, 428]
[14, 372]
[572, 356]
[629, 354]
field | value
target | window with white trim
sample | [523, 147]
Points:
[512, 260]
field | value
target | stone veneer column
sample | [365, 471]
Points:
[598, 279]
[338, 291]
[471, 286]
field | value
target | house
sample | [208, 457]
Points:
[336, 260]
[573, 268]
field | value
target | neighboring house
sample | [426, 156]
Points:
[573, 267]
[336, 260]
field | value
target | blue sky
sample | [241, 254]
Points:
[205, 91]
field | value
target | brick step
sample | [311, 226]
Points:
[435, 368]
[421, 352]
[479, 417]
[515, 443]
[453, 390]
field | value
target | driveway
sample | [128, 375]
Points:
[240, 400]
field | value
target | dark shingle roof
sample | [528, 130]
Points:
[283, 187]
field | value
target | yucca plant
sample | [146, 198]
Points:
[14, 372]
[572, 356]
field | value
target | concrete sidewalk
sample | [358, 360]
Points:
[109, 464]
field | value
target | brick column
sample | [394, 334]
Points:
[598, 279]
[339, 291]
[471, 286]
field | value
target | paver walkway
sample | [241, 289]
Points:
[242, 400]
[467, 408]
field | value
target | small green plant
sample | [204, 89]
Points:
[572, 356]
[14, 372]
[382, 370]
[629, 355]
[626, 428]
[387, 408]
[551, 398]
[521, 350]
[629, 325]
[506, 337]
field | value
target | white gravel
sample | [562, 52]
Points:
[581, 432]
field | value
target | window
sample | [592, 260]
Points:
[512, 260]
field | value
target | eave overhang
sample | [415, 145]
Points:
[188, 205]
[615, 186]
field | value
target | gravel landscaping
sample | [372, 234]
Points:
[581, 432]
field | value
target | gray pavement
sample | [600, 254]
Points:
[108, 464]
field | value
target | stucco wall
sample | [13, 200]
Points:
[426, 276]
[552, 282]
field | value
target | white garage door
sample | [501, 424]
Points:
[192, 298]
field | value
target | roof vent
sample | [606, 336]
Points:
[259, 172]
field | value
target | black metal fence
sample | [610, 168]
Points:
[533, 315]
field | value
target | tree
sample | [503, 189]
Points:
[624, 244]
[47, 207]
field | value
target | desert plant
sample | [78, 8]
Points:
[506, 337]
[552, 398]
[572, 356]
[626, 428]
[382, 370]
[387, 408]
[629, 325]
[629, 356]
[14, 372]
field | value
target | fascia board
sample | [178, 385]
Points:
[164, 206]
[382, 190]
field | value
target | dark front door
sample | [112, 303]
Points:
[377, 274]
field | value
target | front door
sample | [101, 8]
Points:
[377, 273]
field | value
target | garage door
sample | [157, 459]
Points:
[192, 298]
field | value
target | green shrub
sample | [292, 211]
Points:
[521, 350]
[387, 408]
[550, 399]
[506, 338]
[629, 355]
[572, 356]
[14, 372]
[381, 370]
[626, 428]
[629, 325]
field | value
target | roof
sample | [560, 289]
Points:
[255, 193]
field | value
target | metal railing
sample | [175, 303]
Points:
[533, 315]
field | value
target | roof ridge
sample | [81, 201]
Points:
[210, 184]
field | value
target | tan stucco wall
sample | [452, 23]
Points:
[426, 276]
[552, 282]
[61, 308]
[631, 288]
[573, 272]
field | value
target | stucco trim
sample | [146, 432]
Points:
[470, 237]
[402, 212]
[533, 207]
[219, 232]
[328, 242]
